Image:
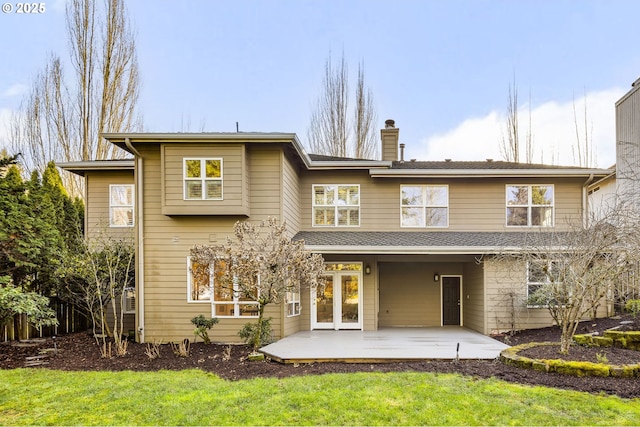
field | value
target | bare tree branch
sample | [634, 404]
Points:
[63, 116]
[329, 129]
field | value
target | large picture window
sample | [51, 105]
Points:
[424, 205]
[121, 205]
[202, 179]
[336, 205]
[530, 205]
[205, 284]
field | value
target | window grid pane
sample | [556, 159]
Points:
[529, 205]
[224, 297]
[424, 206]
[202, 179]
[121, 205]
[336, 205]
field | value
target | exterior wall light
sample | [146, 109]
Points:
[367, 269]
[436, 277]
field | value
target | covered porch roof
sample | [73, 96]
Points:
[420, 242]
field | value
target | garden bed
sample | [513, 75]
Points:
[79, 352]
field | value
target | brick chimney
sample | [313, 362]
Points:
[390, 138]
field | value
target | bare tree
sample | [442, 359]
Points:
[364, 120]
[260, 264]
[510, 146]
[583, 149]
[62, 118]
[572, 273]
[96, 278]
[329, 129]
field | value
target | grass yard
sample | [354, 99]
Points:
[43, 397]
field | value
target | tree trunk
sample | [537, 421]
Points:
[258, 339]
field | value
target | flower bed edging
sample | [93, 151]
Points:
[629, 339]
[510, 356]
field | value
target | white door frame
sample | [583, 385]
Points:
[337, 323]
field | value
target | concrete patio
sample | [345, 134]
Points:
[384, 345]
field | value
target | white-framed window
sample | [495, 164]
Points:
[424, 205]
[129, 300]
[336, 205]
[530, 205]
[121, 205]
[204, 285]
[293, 302]
[542, 273]
[202, 179]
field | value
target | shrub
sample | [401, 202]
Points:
[633, 306]
[202, 325]
[249, 332]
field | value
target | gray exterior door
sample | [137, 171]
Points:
[451, 300]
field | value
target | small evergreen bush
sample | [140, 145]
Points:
[249, 332]
[202, 325]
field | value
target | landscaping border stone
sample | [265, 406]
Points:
[510, 356]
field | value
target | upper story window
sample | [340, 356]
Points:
[530, 205]
[336, 205]
[424, 205]
[121, 205]
[205, 285]
[202, 179]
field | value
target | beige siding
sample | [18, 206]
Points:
[506, 294]
[473, 297]
[290, 196]
[408, 295]
[97, 203]
[474, 205]
[168, 239]
[234, 175]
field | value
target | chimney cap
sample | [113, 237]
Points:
[389, 123]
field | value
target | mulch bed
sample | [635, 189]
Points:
[79, 352]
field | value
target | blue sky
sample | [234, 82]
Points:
[441, 69]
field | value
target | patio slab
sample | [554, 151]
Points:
[384, 345]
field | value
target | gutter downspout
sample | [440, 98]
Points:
[140, 237]
[585, 201]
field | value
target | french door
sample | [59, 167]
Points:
[338, 303]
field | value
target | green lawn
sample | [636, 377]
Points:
[43, 397]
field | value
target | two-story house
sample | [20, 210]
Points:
[407, 243]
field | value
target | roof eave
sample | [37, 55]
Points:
[410, 250]
[119, 139]
[486, 173]
[348, 164]
[80, 168]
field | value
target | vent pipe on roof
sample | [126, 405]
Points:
[401, 153]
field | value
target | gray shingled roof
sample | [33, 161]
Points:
[475, 242]
[324, 158]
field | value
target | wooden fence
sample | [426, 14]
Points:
[70, 319]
